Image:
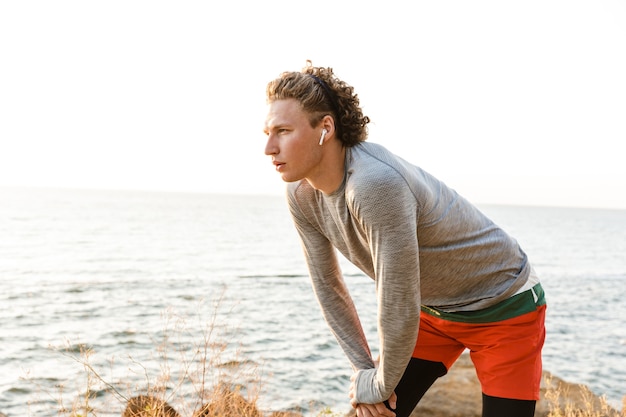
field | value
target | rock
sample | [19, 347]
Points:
[148, 406]
[458, 394]
[228, 404]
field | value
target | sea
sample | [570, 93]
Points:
[109, 294]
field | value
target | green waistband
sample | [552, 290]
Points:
[515, 306]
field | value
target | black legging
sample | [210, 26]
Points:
[420, 375]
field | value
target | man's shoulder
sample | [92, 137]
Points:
[371, 162]
[372, 155]
[369, 149]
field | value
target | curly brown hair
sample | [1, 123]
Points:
[321, 93]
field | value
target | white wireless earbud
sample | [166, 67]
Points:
[324, 131]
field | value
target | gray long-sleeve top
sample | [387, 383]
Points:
[419, 240]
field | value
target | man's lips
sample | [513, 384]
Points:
[278, 165]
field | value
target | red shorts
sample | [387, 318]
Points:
[504, 341]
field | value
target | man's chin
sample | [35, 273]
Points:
[288, 179]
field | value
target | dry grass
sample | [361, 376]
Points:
[147, 406]
[586, 404]
[202, 378]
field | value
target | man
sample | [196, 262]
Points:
[447, 278]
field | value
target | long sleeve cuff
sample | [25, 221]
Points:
[367, 390]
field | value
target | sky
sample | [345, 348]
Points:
[507, 102]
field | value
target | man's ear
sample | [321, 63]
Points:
[328, 123]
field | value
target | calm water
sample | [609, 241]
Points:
[154, 282]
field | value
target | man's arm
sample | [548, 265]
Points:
[332, 293]
[387, 211]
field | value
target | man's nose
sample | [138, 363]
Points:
[270, 145]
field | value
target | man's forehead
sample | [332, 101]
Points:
[285, 105]
[284, 111]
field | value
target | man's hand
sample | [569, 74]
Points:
[374, 410]
[371, 410]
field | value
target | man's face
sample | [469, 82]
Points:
[291, 141]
